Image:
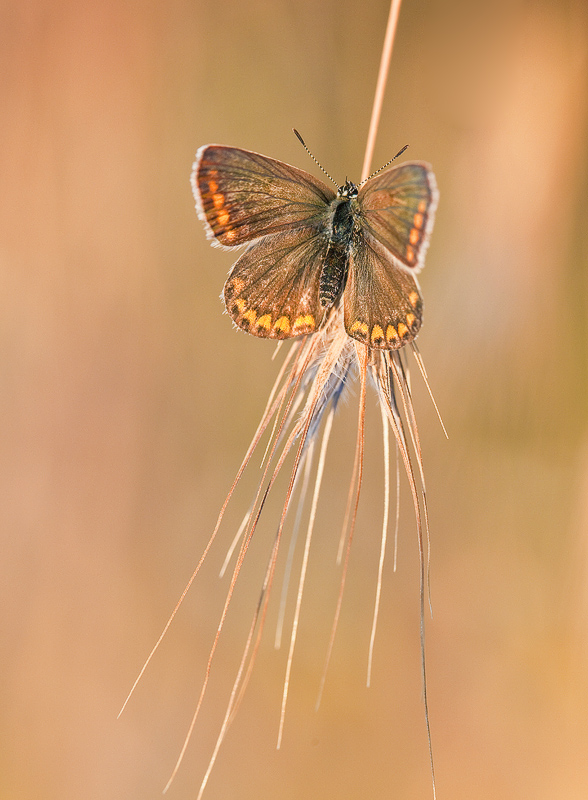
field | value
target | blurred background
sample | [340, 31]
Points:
[128, 400]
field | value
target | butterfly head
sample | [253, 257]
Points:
[348, 190]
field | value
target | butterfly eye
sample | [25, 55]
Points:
[348, 189]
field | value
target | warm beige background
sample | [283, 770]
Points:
[127, 401]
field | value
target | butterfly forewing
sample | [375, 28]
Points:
[242, 196]
[382, 301]
[398, 208]
[273, 289]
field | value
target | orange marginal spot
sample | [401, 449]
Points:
[410, 318]
[305, 322]
[218, 199]
[213, 186]
[414, 235]
[413, 298]
[250, 316]
[359, 327]
[282, 325]
[409, 254]
[418, 220]
[377, 336]
[223, 217]
[402, 330]
[239, 304]
[265, 322]
[230, 234]
[391, 333]
[235, 285]
[422, 206]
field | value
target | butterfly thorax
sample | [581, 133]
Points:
[340, 230]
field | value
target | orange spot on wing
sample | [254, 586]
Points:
[223, 217]
[414, 235]
[213, 186]
[402, 330]
[234, 286]
[377, 336]
[359, 327]
[418, 220]
[422, 206]
[413, 298]
[282, 325]
[410, 318]
[391, 333]
[218, 199]
[265, 322]
[410, 254]
[250, 316]
[304, 323]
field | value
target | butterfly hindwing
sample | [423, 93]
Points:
[382, 301]
[273, 289]
[398, 209]
[242, 196]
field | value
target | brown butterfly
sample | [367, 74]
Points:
[309, 245]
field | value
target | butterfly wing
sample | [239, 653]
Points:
[382, 301]
[273, 289]
[398, 209]
[242, 196]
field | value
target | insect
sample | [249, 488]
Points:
[310, 246]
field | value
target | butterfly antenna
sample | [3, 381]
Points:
[320, 166]
[399, 153]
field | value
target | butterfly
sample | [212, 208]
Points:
[310, 247]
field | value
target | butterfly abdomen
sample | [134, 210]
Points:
[334, 269]
[333, 275]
